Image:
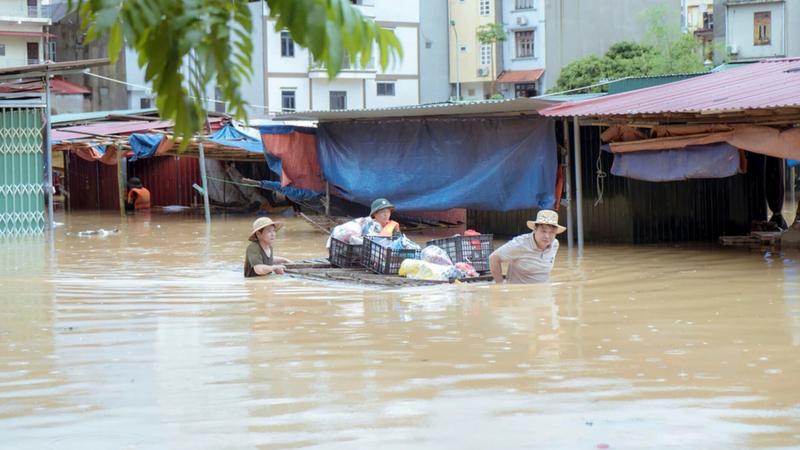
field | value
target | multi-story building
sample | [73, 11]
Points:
[523, 50]
[577, 28]
[23, 33]
[294, 81]
[473, 66]
[757, 29]
[433, 50]
[698, 19]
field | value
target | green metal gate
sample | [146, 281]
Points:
[22, 207]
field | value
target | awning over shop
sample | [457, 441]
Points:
[520, 76]
[496, 164]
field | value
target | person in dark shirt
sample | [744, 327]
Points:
[259, 258]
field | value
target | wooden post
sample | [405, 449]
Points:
[568, 183]
[327, 199]
[576, 133]
[203, 180]
[121, 181]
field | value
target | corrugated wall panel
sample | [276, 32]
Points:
[93, 185]
[633, 211]
[169, 179]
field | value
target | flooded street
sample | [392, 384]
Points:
[150, 338]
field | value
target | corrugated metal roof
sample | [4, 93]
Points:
[38, 70]
[520, 76]
[58, 85]
[515, 105]
[768, 84]
[100, 115]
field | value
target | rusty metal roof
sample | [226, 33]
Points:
[520, 76]
[766, 85]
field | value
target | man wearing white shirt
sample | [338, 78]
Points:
[530, 256]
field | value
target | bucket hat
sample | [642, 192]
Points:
[379, 204]
[547, 217]
[261, 223]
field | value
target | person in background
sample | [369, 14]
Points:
[138, 195]
[381, 212]
[530, 256]
[259, 258]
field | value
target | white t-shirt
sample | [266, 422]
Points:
[526, 263]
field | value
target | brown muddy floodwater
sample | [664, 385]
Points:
[151, 339]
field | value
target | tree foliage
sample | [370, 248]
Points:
[491, 33]
[664, 50]
[183, 45]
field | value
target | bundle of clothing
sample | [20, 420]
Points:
[436, 265]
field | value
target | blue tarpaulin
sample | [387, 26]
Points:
[698, 161]
[144, 145]
[435, 164]
[231, 137]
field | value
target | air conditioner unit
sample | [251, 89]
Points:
[483, 71]
[734, 49]
[522, 21]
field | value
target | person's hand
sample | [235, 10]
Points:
[280, 269]
[250, 182]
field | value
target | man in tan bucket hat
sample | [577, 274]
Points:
[530, 256]
[259, 258]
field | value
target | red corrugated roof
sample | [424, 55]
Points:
[520, 76]
[768, 84]
[58, 85]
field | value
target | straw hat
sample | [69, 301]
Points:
[547, 217]
[261, 223]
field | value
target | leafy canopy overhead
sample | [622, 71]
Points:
[183, 45]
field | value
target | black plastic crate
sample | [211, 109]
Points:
[384, 260]
[343, 254]
[469, 249]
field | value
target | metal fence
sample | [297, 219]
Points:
[21, 171]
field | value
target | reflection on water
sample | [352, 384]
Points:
[150, 338]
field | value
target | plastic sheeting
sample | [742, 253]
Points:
[435, 164]
[144, 145]
[702, 161]
[296, 147]
[231, 137]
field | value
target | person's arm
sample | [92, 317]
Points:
[496, 266]
[254, 257]
[265, 269]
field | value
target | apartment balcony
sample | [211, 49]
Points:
[18, 62]
[350, 69]
[31, 14]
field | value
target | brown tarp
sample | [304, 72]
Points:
[757, 139]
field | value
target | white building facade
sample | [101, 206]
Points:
[22, 36]
[292, 81]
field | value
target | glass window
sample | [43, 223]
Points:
[219, 104]
[523, 4]
[484, 7]
[762, 28]
[486, 54]
[2, 49]
[287, 101]
[145, 103]
[338, 100]
[287, 44]
[524, 41]
[525, 90]
[386, 89]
